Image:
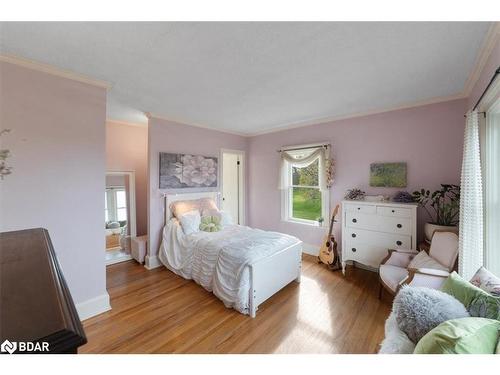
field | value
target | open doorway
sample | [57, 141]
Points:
[119, 215]
[233, 184]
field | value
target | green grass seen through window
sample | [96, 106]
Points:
[306, 203]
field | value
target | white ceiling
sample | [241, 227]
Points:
[256, 77]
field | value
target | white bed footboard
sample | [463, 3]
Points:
[269, 275]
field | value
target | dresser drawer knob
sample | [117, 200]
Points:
[353, 235]
[399, 226]
[353, 249]
[359, 208]
[399, 243]
[354, 221]
[393, 211]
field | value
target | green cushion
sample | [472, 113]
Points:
[498, 347]
[210, 224]
[478, 302]
[461, 336]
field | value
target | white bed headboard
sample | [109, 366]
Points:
[174, 197]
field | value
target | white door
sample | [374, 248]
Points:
[232, 185]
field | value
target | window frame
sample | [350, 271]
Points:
[287, 201]
[491, 186]
[112, 206]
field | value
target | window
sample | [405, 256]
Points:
[106, 211]
[121, 205]
[305, 193]
[492, 190]
[115, 204]
[303, 199]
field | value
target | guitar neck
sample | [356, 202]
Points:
[331, 227]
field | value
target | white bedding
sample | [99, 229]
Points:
[219, 261]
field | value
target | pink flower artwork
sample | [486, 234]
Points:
[187, 171]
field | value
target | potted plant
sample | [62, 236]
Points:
[320, 221]
[442, 206]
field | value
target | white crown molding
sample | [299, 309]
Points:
[50, 69]
[150, 115]
[126, 123]
[489, 43]
[323, 120]
[316, 121]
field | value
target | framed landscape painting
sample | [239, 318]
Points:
[388, 174]
[187, 171]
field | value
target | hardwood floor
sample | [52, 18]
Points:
[159, 312]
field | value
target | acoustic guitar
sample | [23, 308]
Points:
[328, 253]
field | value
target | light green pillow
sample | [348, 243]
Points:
[461, 336]
[210, 224]
[478, 302]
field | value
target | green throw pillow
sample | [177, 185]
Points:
[478, 302]
[461, 336]
[210, 224]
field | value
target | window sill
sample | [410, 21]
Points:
[303, 222]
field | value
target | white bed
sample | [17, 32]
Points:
[242, 266]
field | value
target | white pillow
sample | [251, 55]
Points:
[190, 222]
[422, 260]
[226, 218]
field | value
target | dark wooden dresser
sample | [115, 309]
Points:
[35, 304]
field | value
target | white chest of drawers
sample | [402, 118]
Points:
[370, 228]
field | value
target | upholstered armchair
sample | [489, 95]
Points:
[397, 269]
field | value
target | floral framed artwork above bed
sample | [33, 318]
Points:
[188, 171]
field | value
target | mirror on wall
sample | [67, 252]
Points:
[119, 215]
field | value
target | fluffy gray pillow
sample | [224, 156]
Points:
[418, 310]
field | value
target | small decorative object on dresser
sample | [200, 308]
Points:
[355, 194]
[402, 197]
[370, 228]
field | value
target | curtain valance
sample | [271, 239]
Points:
[303, 159]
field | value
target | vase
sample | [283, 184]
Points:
[429, 230]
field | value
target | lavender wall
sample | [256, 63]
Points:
[57, 146]
[429, 138]
[168, 136]
[127, 150]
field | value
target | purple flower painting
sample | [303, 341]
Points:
[180, 171]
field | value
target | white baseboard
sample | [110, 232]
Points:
[151, 262]
[310, 249]
[93, 306]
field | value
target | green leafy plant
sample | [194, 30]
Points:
[442, 206]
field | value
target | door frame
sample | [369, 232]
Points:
[242, 188]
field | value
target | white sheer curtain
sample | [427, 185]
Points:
[302, 159]
[471, 201]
